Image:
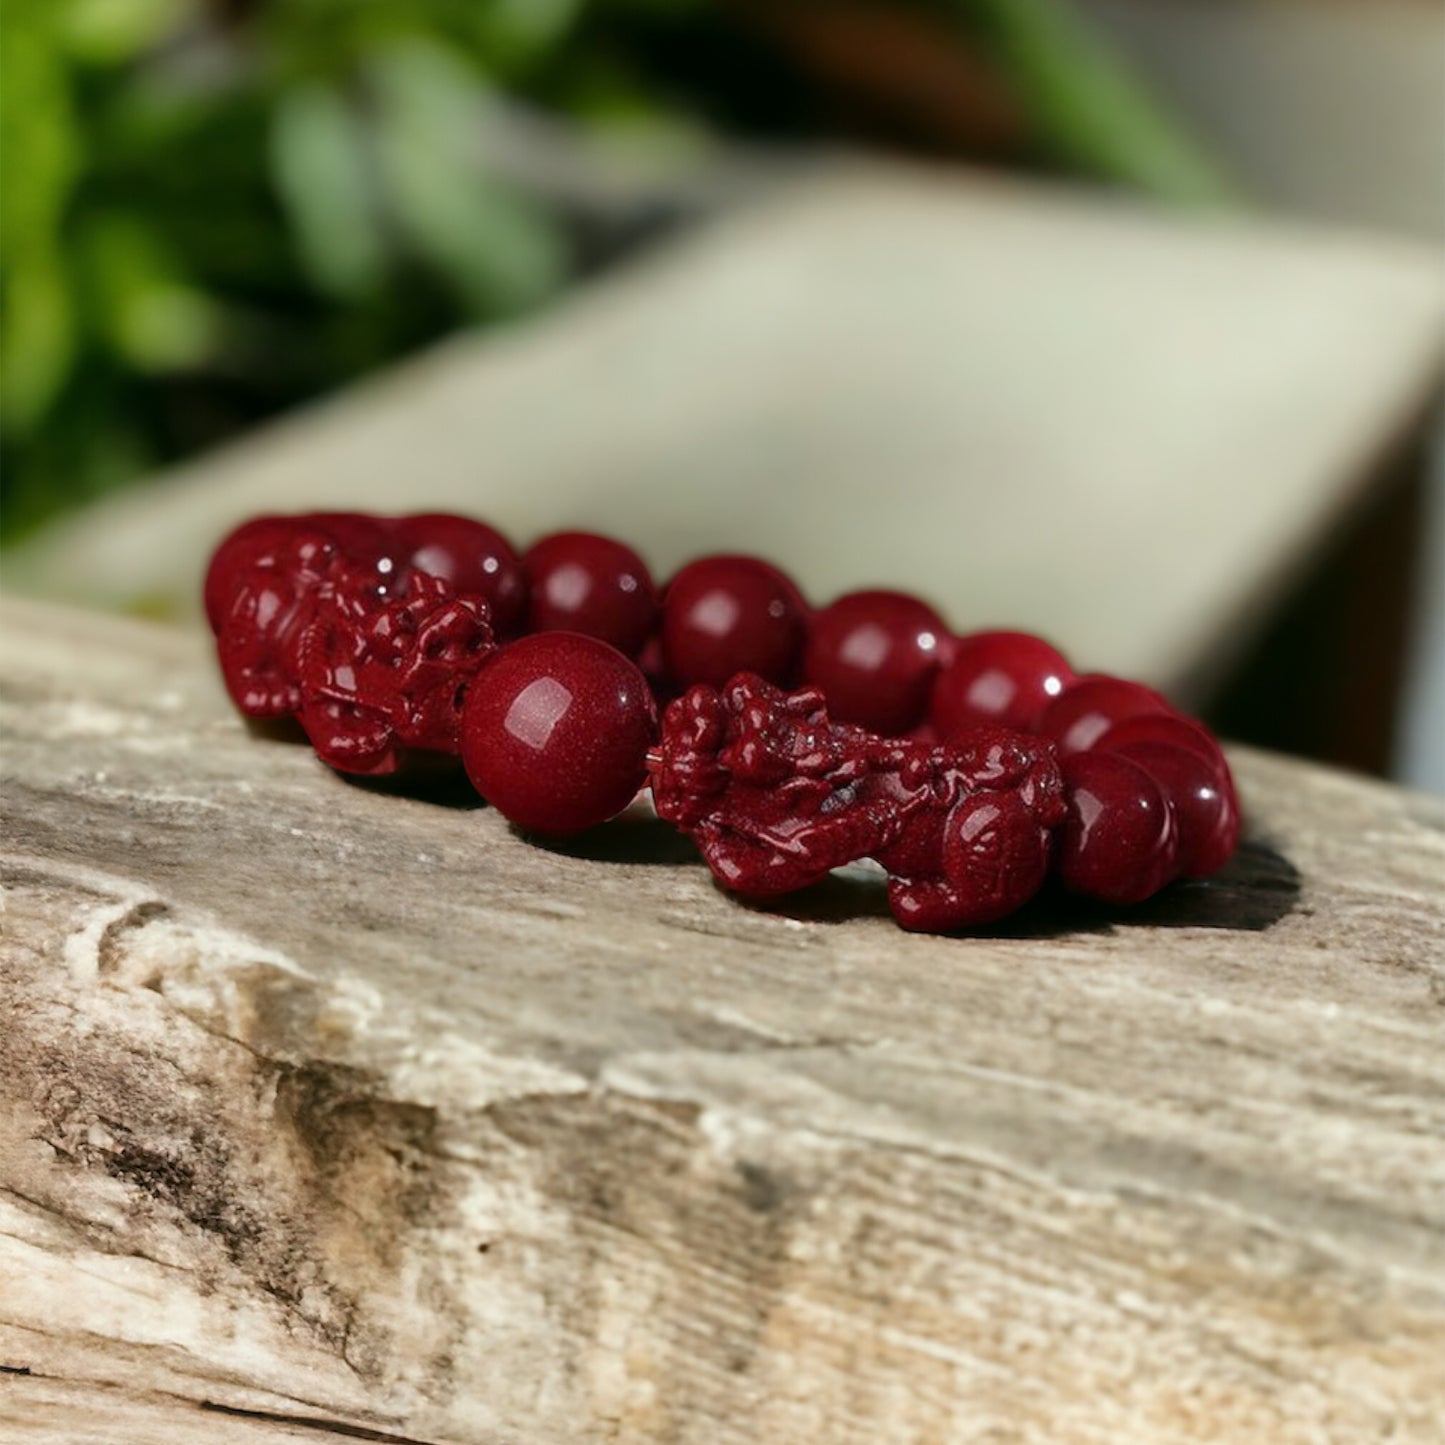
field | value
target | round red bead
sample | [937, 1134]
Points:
[1170, 729]
[726, 615]
[1002, 678]
[247, 545]
[1175, 730]
[555, 731]
[1119, 840]
[580, 582]
[1205, 811]
[875, 655]
[472, 557]
[1089, 706]
[361, 536]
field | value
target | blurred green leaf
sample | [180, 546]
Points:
[101, 31]
[320, 167]
[152, 317]
[513, 32]
[1091, 107]
[43, 150]
[37, 338]
[498, 251]
[43, 144]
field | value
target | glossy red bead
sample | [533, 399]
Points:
[260, 541]
[472, 557]
[875, 655]
[361, 536]
[725, 615]
[1089, 706]
[1176, 731]
[1119, 840]
[1005, 679]
[1204, 808]
[238, 550]
[1168, 727]
[581, 582]
[555, 731]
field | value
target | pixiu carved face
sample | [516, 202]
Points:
[381, 674]
[776, 796]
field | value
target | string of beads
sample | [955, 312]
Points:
[785, 741]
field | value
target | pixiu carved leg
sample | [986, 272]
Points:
[776, 795]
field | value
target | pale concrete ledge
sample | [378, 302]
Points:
[361, 1115]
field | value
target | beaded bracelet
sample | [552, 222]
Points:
[784, 741]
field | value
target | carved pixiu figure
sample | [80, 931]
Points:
[380, 676]
[776, 795]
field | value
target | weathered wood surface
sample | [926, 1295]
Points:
[331, 1106]
[1064, 413]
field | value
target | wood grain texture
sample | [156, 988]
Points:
[1065, 413]
[320, 1105]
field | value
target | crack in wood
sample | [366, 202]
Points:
[315, 1422]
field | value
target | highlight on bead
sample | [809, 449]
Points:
[556, 731]
[971, 767]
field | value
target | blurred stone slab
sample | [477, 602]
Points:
[1045, 409]
[327, 1114]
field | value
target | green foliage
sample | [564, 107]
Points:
[212, 209]
[1088, 107]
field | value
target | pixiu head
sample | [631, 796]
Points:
[776, 735]
[388, 674]
[749, 736]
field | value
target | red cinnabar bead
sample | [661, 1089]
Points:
[1003, 678]
[1090, 706]
[875, 655]
[250, 543]
[555, 731]
[580, 582]
[1171, 729]
[725, 615]
[472, 557]
[1204, 807]
[1163, 727]
[363, 538]
[1120, 840]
